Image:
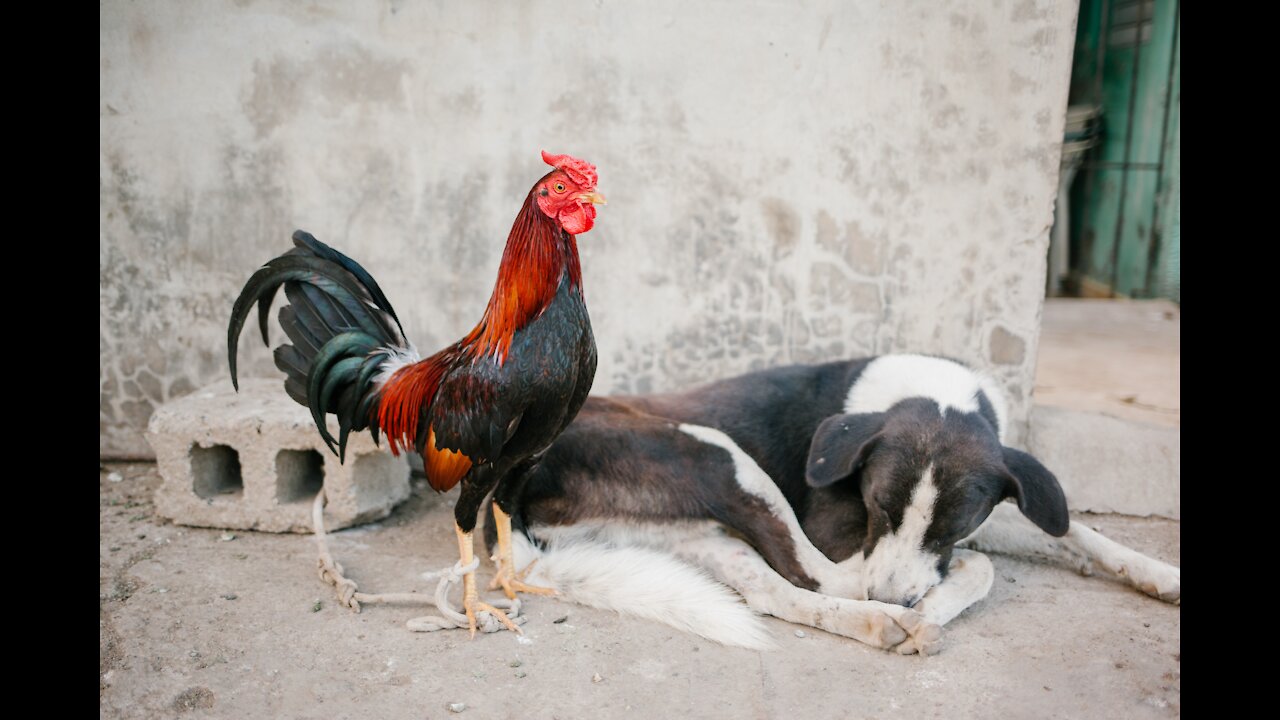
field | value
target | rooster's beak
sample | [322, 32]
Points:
[593, 197]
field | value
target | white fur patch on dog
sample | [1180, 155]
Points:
[899, 568]
[890, 379]
[628, 568]
[969, 579]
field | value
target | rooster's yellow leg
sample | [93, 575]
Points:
[470, 599]
[511, 581]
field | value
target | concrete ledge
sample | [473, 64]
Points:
[1109, 465]
[253, 460]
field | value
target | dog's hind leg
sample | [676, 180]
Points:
[1007, 531]
[881, 625]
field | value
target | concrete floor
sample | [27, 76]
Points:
[1107, 416]
[1121, 358]
[193, 624]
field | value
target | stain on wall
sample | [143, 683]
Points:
[785, 185]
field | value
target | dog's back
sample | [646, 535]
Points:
[771, 414]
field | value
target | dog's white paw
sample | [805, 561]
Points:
[1157, 579]
[893, 627]
[1160, 581]
[881, 629]
[874, 623]
[923, 637]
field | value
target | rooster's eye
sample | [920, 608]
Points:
[559, 187]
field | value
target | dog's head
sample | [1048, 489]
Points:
[928, 476]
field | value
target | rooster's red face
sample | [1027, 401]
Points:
[568, 193]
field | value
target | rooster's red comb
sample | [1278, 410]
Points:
[580, 171]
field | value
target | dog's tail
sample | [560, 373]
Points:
[643, 583]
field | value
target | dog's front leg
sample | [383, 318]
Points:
[1085, 549]
[968, 580]
[881, 625]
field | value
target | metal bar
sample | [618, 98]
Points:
[1103, 34]
[1128, 153]
[1157, 232]
[1088, 230]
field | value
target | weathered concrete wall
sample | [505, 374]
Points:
[787, 182]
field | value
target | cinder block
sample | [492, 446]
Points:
[253, 460]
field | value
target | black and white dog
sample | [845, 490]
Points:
[831, 495]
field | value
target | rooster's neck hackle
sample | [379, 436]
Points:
[538, 255]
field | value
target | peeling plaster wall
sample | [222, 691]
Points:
[787, 182]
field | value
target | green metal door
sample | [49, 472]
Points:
[1126, 199]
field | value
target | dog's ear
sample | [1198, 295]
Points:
[841, 444]
[1037, 491]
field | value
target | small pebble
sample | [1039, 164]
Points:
[559, 620]
[1146, 624]
[316, 608]
[515, 663]
[142, 536]
[229, 596]
[114, 548]
[520, 673]
[227, 537]
[240, 556]
[456, 707]
[524, 640]
[800, 633]
[596, 678]
[115, 477]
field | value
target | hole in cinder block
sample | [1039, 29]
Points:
[299, 475]
[215, 471]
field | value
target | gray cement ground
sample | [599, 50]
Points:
[193, 624]
[1107, 414]
[1121, 358]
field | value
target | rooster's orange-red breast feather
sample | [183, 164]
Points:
[444, 467]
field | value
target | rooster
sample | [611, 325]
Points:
[482, 410]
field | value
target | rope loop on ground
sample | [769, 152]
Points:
[350, 597]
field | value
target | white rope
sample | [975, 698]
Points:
[485, 621]
[350, 597]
